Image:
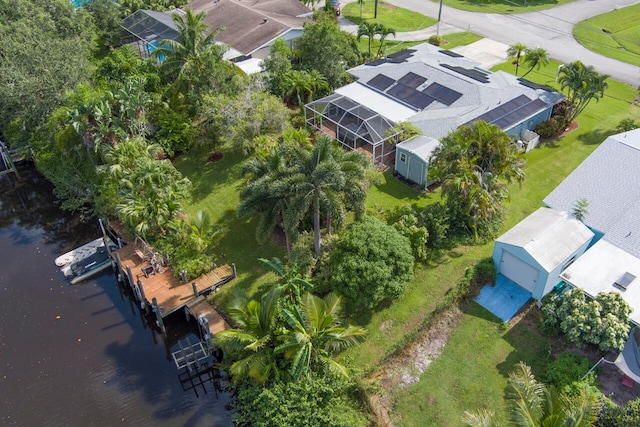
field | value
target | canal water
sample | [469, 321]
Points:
[80, 355]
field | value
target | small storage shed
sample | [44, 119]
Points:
[535, 251]
[412, 158]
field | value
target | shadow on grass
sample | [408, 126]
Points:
[515, 3]
[595, 136]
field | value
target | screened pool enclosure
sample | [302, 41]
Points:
[355, 126]
[147, 28]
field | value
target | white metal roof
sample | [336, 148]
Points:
[598, 269]
[420, 145]
[549, 236]
[381, 104]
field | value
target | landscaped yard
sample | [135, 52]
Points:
[398, 18]
[471, 372]
[614, 34]
[392, 46]
[504, 6]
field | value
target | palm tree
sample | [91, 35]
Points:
[291, 284]
[360, 4]
[535, 57]
[369, 30]
[298, 83]
[516, 50]
[583, 84]
[323, 179]
[384, 32]
[252, 340]
[318, 83]
[474, 163]
[189, 58]
[314, 333]
[269, 193]
[533, 404]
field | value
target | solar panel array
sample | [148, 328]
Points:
[394, 58]
[405, 90]
[468, 72]
[442, 93]
[533, 85]
[450, 53]
[513, 112]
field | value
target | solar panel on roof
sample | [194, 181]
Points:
[521, 113]
[404, 52]
[500, 111]
[442, 93]
[471, 73]
[412, 80]
[410, 96]
[381, 82]
[533, 85]
[451, 53]
[376, 62]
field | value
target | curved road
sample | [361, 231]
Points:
[549, 29]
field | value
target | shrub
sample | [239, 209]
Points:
[613, 415]
[551, 127]
[436, 40]
[626, 125]
[406, 221]
[370, 262]
[603, 321]
[436, 221]
[567, 369]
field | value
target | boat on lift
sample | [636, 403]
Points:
[87, 260]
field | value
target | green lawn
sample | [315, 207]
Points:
[614, 34]
[400, 19]
[392, 46]
[503, 6]
[445, 389]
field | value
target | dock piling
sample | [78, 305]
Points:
[159, 321]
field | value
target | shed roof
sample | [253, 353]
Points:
[600, 267]
[609, 180]
[549, 236]
[420, 145]
[251, 24]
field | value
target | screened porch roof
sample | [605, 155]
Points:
[354, 117]
[150, 26]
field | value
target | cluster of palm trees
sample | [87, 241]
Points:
[371, 30]
[305, 85]
[293, 181]
[583, 84]
[534, 57]
[286, 332]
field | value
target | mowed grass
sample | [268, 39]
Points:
[504, 6]
[398, 18]
[614, 34]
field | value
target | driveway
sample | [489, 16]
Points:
[549, 29]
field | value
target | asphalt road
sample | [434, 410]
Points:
[549, 29]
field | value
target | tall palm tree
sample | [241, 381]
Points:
[515, 51]
[323, 179]
[360, 4]
[189, 58]
[268, 194]
[535, 57]
[583, 84]
[314, 333]
[384, 32]
[369, 30]
[533, 404]
[252, 340]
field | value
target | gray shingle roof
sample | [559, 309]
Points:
[437, 119]
[610, 181]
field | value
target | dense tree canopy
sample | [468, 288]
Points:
[45, 49]
[370, 262]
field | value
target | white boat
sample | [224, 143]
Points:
[87, 260]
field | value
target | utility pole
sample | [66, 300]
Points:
[375, 10]
[439, 16]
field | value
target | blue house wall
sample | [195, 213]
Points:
[530, 123]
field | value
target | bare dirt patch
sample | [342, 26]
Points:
[406, 367]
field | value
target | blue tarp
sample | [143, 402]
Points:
[504, 299]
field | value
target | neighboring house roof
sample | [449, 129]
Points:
[446, 90]
[251, 24]
[598, 269]
[549, 236]
[420, 145]
[609, 180]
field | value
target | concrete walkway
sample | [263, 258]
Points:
[550, 29]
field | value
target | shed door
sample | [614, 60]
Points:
[416, 171]
[518, 271]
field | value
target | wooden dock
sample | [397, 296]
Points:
[159, 290]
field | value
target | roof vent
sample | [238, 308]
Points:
[624, 281]
[264, 21]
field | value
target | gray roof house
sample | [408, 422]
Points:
[434, 89]
[609, 180]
